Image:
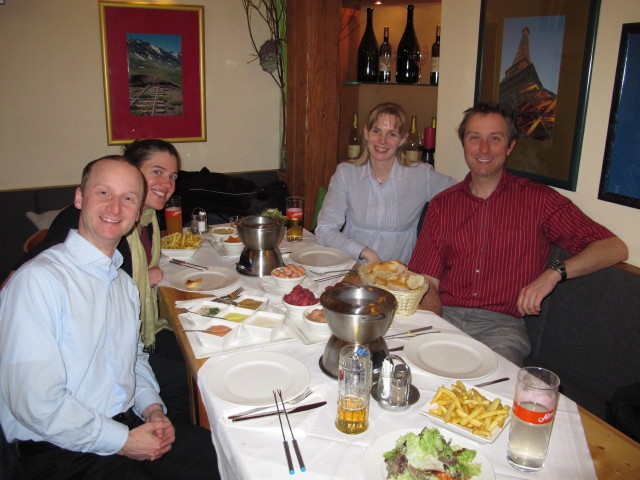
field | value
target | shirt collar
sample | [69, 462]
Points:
[85, 253]
[506, 180]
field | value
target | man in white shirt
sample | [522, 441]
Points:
[76, 388]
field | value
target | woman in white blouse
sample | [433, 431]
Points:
[373, 205]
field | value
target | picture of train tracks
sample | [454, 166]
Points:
[155, 99]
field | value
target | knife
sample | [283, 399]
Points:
[301, 408]
[492, 382]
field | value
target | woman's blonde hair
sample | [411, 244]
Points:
[401, 124]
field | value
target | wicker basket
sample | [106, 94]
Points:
[408, 301]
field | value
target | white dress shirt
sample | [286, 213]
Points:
[70, 355]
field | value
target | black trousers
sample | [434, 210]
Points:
[192, 457]
[170, 370]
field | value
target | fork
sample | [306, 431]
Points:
[293, 401]
[232, 296]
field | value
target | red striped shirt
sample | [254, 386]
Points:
[484, 251]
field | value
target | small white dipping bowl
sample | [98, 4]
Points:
[287, 284]
[316, 328]
[219, 233]
[296, 312]
[232, 248]
[264, 326]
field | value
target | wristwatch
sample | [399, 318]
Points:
[561, 268]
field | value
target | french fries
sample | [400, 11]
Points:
[182, 241]
[469, 409]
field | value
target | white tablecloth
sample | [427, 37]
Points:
[253, 449]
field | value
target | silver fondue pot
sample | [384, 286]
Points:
[356, 314]
[261, 237]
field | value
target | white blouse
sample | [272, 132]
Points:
[358, 212]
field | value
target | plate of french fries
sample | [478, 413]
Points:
[181, 245]
[469, 411]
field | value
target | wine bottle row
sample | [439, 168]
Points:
[374, 63]
[418, 147]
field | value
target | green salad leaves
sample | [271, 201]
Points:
[423, 456]
[273, 212]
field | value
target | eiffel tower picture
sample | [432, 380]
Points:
[522, 91]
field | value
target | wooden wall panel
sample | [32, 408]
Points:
[313, 110]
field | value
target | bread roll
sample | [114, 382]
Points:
[415, 281]
[194, 282]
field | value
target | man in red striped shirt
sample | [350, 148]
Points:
[485, 243]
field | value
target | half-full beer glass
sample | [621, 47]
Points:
[534, 409]
[295, 218]
[354, 384]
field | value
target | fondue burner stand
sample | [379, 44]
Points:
[329, 361]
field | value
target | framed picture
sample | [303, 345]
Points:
[153, 69]
[534, 58]
[620, 180]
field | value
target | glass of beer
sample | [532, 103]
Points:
[173, 215]
[295, 218]
[534, 409]
[354, 384]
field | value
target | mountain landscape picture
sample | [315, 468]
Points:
[155, 74]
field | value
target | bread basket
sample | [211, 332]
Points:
[408, 301]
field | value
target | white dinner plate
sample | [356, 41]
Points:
[213, 279]
[450, 355]
[271, 287]
[319, 258]
[249, 378]
[374, 468]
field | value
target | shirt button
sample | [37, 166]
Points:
[484, 226]
[481, 249]
[477, 271]
[475, 294]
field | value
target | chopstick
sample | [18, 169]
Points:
[293, 439]
[182, 263]
[284, 439]
[413, 335]
[409, 332]
[341, 275]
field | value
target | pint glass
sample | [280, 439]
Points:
[354, 384]
[295, 218]
[534, 409]
[173, 215]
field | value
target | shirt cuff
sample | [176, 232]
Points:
[112, 439]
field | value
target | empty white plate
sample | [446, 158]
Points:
[451, 355]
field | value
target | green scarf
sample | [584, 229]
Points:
[150, 323]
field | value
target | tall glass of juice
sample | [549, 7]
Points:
[534, 409]
[173, 214]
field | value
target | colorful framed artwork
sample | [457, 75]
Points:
[153, 70]
[535, 58]
[620, 180]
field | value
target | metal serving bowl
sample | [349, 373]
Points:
[261, 233]
[358, 313]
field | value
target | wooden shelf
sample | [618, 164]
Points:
[388, 84]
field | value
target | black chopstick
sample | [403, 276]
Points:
[182, 263]
[284, 439]
[293, 439]
[409, 332]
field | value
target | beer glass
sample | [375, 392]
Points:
[354, 384]
[295, 218]
[534, 409]
[173, 214]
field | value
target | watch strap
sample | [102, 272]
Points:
[560, 267]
